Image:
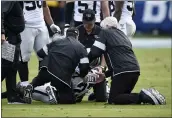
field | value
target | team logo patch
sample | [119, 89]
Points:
[96, 36]
[88, 15]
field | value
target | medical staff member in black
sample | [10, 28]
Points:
[123, 67]
[12, 24]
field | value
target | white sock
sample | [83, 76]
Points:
[25, 83]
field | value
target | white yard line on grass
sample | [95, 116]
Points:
[151, 43]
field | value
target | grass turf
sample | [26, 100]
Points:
[155, 72]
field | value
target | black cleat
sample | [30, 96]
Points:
[92, 97]
[51, 95]
[148, 97]
[28, 94]
[158, 96]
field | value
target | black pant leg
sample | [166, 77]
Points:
[11, 83]
[42, 78]
[121, 87]
[4, 71]
[65, 94]
[23, 71]
[100, 91]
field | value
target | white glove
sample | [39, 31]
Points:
[91, 78]
[54, 28]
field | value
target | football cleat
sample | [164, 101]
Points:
[51, 95]
[148, 98]
[158, 96]
[28, 94]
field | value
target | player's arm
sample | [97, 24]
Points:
[48, 18]
[84, 63]
[98, 47]
[118, 9]
[105, 9]
[103, 63]
[47, 15]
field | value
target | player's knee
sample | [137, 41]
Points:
[66, 98]
[25, 58]
[131, 28]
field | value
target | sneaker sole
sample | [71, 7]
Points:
[28, 94]
[151, 96]
[156, 94]
[51, 95]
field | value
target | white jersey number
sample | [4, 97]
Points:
[31, 5]
[84, 6]
[130, 6]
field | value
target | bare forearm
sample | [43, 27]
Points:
[118, 11]
[103, 62]
[105, 9]
[47, 15]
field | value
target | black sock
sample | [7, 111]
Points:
[23, 71]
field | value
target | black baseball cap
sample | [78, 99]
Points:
[88, 16]
[72, 30]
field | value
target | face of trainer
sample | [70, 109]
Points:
[89, 25]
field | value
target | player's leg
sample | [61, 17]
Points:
[69, 12]
[131, 28]
[27, 37]
[45, 93]
[122, 26]
[41, 40]
[127, 26]
[39, 80]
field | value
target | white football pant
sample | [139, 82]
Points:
[127, 26]
[33, 38]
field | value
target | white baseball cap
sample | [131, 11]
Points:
[109, 22]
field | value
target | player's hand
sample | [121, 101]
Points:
[99, 69]
[55, 29]
[101, 77]
[2, 38]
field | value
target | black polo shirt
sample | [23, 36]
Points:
[88, 39]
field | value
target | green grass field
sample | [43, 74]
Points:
[155, 72]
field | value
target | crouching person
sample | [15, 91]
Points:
[60, 58]
[48, 94]
[123, 66]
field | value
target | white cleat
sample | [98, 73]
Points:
[158, 96]
[51, 95]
